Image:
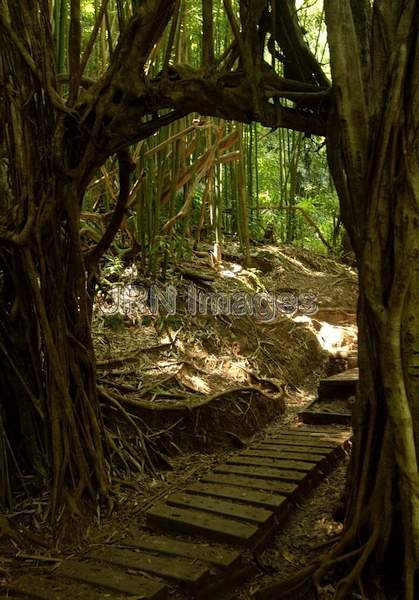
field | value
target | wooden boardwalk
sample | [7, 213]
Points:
[337, 387]
[196, 538]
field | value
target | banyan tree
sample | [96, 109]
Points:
[57, 128]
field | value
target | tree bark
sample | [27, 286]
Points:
[374, 158]
[52, 423]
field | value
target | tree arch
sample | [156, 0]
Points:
[51, 145]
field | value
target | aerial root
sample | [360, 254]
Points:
[347, 583]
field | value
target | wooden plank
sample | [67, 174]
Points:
[325, 430]
[343, 389]
[329, 436]
[274, 502]
[180, 570]
[308, 432]
[301, 441]
[43, 588]
[289, 448]
[348, 375]
[216, 555]
[189, 521]
[262, 473]
[318, 417]
[226, 508]
[275, 453]
[272, 463]
[117, 581]
[313, 430]
[279, 487]
[340, 385]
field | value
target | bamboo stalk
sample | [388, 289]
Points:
[207, 34]
[91, 42]
[74, 50]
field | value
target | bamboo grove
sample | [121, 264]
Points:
[211, 176]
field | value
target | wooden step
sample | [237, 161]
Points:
[271, 501]
[288, 448]
[341, 385]
[280, 487]
[263, 473]
[318, 430]
[215, 555]
[314, 414]
[278, 453]
[325, 435]
[225, 508]
[190, 521]
[45, 588]
[111, 579]
[297, 440]
[272, 463]
[188, 573]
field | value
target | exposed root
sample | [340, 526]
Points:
[133, 357]
[18, 534]
[345, 585]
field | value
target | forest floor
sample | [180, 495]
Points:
[256, 337]
[182, 391]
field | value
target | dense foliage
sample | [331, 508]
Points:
[287, 196]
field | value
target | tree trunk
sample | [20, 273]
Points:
[47, 360]
[374, 158]
[50, 413]
[50, 422]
